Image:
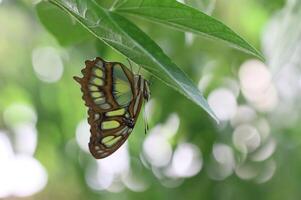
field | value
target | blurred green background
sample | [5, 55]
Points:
[253, 153]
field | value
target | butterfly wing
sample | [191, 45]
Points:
[106, 86]
[113, 96]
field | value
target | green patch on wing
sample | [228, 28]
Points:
[118, 112]
[110, 140]
[109, 125]
[96, 94]
[122, 86]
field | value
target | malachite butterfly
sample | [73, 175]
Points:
[114, 97]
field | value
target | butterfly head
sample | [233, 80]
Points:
[129, 122]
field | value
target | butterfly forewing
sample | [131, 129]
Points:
[106, 86]
[114, 97]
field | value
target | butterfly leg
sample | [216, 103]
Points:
[146, 127]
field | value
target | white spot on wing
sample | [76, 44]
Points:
[99, 101]
[105, 106]
[99, 63]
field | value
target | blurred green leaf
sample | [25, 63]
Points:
[129, 40]
[185, 18]
[66, 30]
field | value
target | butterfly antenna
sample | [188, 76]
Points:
[130, 64]
[146, 127]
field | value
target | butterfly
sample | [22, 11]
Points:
[114, 97]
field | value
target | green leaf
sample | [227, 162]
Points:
[129, 40]
[66, 30]
[184, 18]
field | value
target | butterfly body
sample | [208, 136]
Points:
[114, 96]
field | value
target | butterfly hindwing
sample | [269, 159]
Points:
[107, 133]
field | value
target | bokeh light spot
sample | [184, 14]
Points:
[149, 108]
[19, 113]
[6, 150]
[156, 148]
[246, 171]
[244, 114]
[134, 182]
[254, 77]
[205, 81]
[223, 103]
[22, 176]
[265, 151]
[170, 128]
[83, 135]
[47, 64]
[246, 137]
[29, 176]
[267, 172]
[106, 175]
[223, 163]
[26, 138]
[187, 160]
